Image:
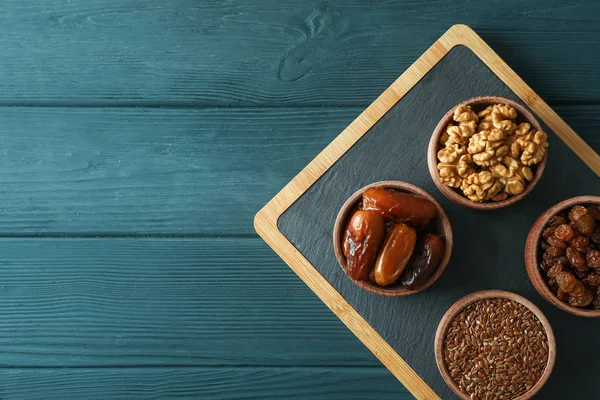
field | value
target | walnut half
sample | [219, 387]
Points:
[467, 124]
[481, 186]
[512, 175]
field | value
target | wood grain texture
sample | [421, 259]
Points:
[201, 383]
[337, 52]
[266, 221]
[124, 171]
[150, 171]
[162, 302]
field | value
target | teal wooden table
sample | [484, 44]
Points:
[139, 138]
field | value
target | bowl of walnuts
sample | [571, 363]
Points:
[487, 153]
[562, 255]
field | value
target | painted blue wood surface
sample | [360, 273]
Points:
[291, 52]
[138, 138]
[148, 171]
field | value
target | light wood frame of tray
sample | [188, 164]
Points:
[265, 221]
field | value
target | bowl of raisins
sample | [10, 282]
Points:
[562, 255]
[392, 238]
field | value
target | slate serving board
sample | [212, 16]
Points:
[388, 140]
[488, 249]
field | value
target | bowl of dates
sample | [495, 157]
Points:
[392, 238]
[562, 255]
[487, 153]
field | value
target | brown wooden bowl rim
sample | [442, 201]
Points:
[487, 294]
[531, 255]
[452, 194]
[393, 290]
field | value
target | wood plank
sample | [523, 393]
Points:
[86, 171]
[148, 171]
[201, 383]
[187, 52]
[162, 302]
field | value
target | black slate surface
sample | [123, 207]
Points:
[488, 250]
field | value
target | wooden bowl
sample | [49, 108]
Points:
[532, 255]
[456, 195]
[443, 228]
[488, 294]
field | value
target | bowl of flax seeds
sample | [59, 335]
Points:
[495, 345]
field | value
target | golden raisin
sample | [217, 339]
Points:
[566, 281]
[578, 289]
[556, 221]
[576, 213]
[556, 242]
[555, 251]
[555, 270]
[575, 257]
[562, 296]
[593, 279]
[581, 243]
[548, 232]
[586, 225]
[581, 301]
[594, 211]
[564, 232]
[593, 258]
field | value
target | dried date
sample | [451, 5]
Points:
[364, 234]
[397, 206]
[396, 251]
[427, 257]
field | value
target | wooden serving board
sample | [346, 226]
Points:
[389, 141]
